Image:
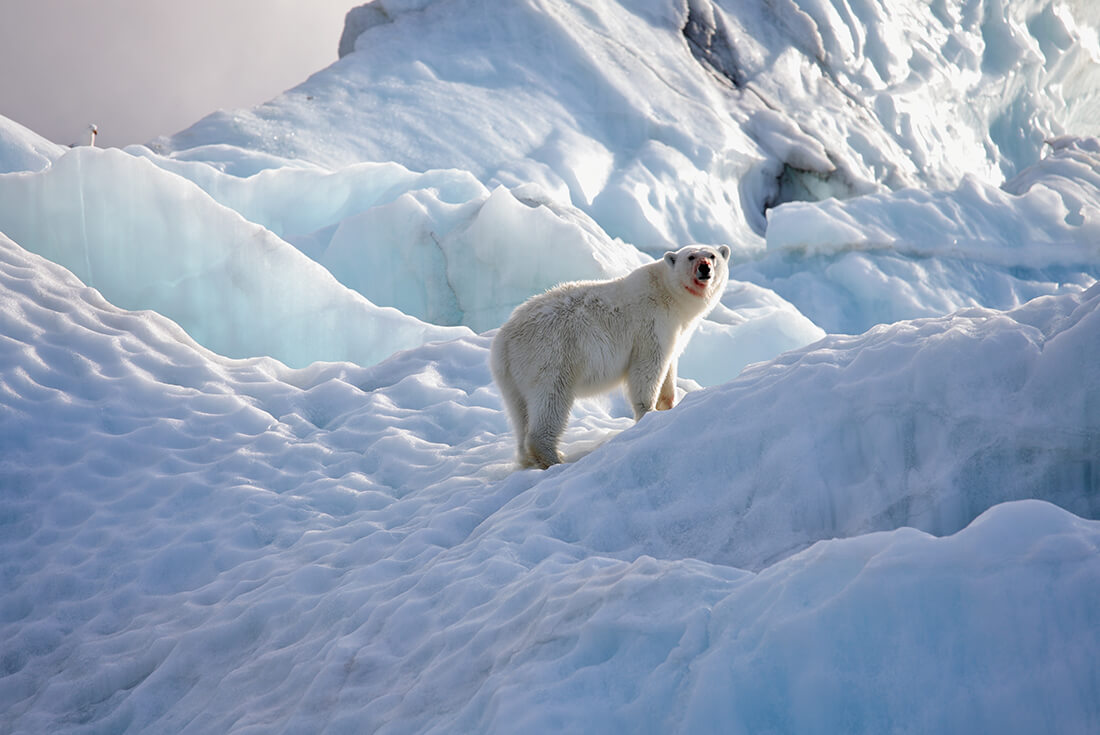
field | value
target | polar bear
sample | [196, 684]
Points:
[587, 337]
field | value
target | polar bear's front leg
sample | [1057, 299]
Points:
[643, 381]
[667, 397]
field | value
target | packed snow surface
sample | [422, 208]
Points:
[199, 544]
[255, 476]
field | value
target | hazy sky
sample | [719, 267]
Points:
[143, 68]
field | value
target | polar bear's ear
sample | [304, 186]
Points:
[670, 257]
[724, 251]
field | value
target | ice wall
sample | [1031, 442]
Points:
[151, 240]
[437, 245]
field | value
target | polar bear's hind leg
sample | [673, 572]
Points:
[548, 418]
[517, 412]
[514, 403]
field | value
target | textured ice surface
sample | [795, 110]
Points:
[1048, 215]
[728, 113]
[878, 258]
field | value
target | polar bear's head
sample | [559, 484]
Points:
[700, 270]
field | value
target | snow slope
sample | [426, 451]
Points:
[255, 476]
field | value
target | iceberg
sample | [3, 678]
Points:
[255, 476]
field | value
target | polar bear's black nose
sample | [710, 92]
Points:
[703, 271]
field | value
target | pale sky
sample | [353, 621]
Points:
[143, 68]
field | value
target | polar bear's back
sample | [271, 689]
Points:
[582, 330]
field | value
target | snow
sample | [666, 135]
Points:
[255, 475]
[24, 150]
[201, 544]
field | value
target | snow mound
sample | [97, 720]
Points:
[750, 324]
[887, 661]
[199, 544]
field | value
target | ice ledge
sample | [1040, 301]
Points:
[362, 18]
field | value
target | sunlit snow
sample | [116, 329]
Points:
[255, 476]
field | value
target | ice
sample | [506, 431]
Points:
[770, 669]
[750, 324]
[883, 257]
[437, 247]
[151, 240]
[468, 255]
[255, 476]
[1046, 216]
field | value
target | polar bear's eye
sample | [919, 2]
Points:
[691, 257]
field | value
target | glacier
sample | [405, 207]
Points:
[255, 476]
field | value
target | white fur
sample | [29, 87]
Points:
[587, 337]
